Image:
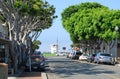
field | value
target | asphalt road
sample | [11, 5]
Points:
[64, 68]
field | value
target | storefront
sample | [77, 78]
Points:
[4, 50]
[5, 44]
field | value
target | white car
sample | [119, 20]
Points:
[104, 58]
[60, 54]
[71, 55]
[83, 57]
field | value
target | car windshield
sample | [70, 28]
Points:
[35, 57]
[37, 53]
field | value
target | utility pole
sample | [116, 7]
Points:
[57, 45]
[116, 29]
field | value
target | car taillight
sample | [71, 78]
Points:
[111, 59]
[33, 55]
[42, 58]
[100, 57]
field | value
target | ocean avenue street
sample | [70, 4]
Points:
[64, 68]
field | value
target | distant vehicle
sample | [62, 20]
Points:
[91, 58]
[67, 55]
[61, 54]
[70, 55]
[76, 55]
[37, 61]
[104, 58]
[83, 57]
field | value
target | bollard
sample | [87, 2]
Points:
[3, 71]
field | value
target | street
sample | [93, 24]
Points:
[64, 68]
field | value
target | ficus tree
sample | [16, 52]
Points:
[92, 23]
[22, 18]
[72, 18]
[35, 45]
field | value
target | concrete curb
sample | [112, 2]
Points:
[11, 77]
[118, 65]
[44, 75]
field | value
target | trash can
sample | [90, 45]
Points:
[3, 71]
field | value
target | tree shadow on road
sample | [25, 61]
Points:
[70, 68]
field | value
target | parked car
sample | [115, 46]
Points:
[37, 61]
[76, 55]
[91, 58]
[37, 53]
[71, 55]
[83, 57]
[67, 55]
[104, 58]
[60, 54]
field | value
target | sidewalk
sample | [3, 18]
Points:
[28, 75]
[16, 74]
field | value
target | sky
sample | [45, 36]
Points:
[56, 32]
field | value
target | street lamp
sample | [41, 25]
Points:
[116, 29]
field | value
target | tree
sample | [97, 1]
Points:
[92, 23]
[22, 17]
[35, 45]
[72, 21]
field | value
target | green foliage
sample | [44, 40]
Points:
[49, 54]
[17, 4]
[32, 15]
[36, 44]
[91, 21]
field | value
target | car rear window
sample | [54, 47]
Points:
[33, 57]
[78, 53]
[105, 54]
[37, 53]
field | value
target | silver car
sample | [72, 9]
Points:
[104, 58]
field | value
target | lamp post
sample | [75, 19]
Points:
[116, 29]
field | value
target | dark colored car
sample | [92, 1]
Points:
[76, 55]
[91, 58]
[37, 61]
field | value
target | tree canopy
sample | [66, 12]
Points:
[23, 17]
[90, 22]
[36, 44]
[26, 16]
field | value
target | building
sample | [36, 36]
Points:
[4, 44]
[54, 48]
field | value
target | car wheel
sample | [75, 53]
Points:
[113, 63]
[98, 62]
[94, 61]
[42, 69]
[91, 61]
